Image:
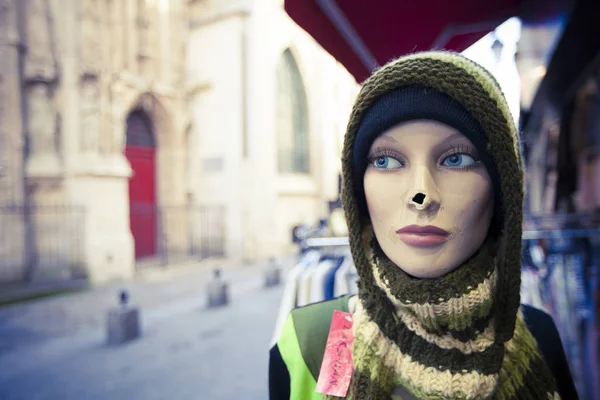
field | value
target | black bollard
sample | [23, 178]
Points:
[218, 291]
[123, 322]
[124, 298]
[272, 274]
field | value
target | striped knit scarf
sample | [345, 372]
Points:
[460, 336]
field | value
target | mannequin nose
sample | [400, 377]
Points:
[420, 201]
[424, 194]
[419, 198]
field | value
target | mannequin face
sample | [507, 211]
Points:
[429, 197]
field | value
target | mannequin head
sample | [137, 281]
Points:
[480, 206]
[423, 173]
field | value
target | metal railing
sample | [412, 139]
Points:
[50, 239]
[36, 239]
[167, 235]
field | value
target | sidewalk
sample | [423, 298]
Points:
[55, 348]
[11, 293]
[167, 289]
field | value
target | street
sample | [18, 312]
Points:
[186, 350]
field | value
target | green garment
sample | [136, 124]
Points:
[302, 344]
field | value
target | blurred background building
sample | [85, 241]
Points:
[137, 130]
[93, 94]
[269, 109]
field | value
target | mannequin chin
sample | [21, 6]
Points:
[429, 198]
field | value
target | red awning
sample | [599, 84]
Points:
[363, 34]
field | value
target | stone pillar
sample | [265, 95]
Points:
[91, 49]
[91, 63]
[90, 117]
[12, 226]
[178, 35]
[51, 224]
[43, 161]
[40, 76]
[11, 149]
[102, 182]
[117, 34]
[148, 26]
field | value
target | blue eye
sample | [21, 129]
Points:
[385, 162]
[458, 161]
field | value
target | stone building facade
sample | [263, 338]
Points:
[132, 128]
[71, 74]
[269, 109]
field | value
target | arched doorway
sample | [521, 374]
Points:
[140, 151]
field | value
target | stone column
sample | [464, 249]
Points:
[117, 35]
[91, 64]
[180, 38]
[90, 115]
[147, 31]
[42, 118]
[52, 227]
[113, 141]
[40, 79]
[91, 49]
[12, 224]
[117, 118]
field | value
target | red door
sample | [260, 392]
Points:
[140, 152]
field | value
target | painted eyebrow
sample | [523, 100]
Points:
[452, 137]
[393, 140]
[437, 146]
[386, 138]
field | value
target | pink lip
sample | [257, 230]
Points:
[422, 236]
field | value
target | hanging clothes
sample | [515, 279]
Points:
[341, 286]
[305, 284]
[329, 284]
[290, 292]
[317, 292]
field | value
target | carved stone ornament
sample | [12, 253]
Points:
[42, 121]
[117, 132]
[91, 122]
[91, 37]
[113, 141]
[148, 37]
[40, 64]
[8, 22]
[3, 134]
[116, 33]
[42, 128]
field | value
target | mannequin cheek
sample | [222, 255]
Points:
[484, 205]
[477, 215]
[386, 197]
[393, 236]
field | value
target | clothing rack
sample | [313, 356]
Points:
[561, 275]
[326, 242]
[324, 271]
[560, 234]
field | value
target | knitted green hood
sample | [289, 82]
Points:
[460, 335]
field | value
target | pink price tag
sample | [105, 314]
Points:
[337, 366]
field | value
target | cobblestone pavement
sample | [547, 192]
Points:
[55, 348]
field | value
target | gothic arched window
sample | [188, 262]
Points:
[292, 118]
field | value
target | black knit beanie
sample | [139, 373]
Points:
[416, 103]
